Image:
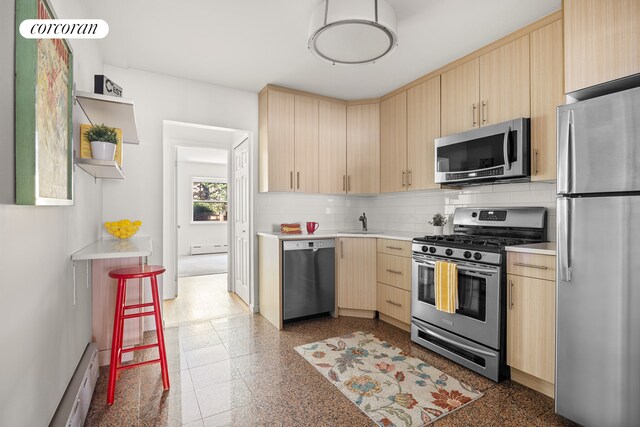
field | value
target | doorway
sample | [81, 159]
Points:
[200, 216]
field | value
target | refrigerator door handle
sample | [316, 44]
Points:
[564, 238]
[565, 141]
[505, 149]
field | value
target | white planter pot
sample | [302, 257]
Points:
[101, 150]
[438, 230]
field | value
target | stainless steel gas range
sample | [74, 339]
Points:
[474, 335]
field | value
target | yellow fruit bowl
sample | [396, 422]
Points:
[122, 229]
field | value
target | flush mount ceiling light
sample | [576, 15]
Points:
[353, 31]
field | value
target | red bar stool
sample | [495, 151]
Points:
[123, 274]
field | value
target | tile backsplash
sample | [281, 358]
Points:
[409, 211]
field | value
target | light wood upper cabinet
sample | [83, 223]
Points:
[490, 89]
[277, 164]
[547, 93]
[461, 98]
[504, 83]
[332, 156]
[602, 41]
[423, 127]
[531, 337]
[306, 144]
[393, 143]
[363, 148]
[356, 260]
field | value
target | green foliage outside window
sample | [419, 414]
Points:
[209, 201]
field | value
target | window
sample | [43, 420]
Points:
[209, 200]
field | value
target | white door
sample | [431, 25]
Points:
[241, 221]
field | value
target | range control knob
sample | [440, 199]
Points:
[432, 249]
[449, 252]
[477, 256]
[467, 254]
[425, 248]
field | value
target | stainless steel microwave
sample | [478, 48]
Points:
[490, 153]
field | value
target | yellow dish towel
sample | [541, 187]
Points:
[446, 284]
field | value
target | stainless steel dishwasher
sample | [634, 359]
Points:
[308, 277]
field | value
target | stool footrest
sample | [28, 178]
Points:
[132, 306]
[140, 347]
[134, 315]
[134, 365]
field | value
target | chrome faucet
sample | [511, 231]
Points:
[363, 218]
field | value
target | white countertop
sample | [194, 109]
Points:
[332, 234]
[112, 248]
[546, 248]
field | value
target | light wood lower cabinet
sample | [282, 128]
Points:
[356, 262]
[394, 302]
[531, 337]
[395, 271]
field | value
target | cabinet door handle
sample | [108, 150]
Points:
[410, 178]
[485, 112]
[349, 183]
[510, 294]
[539, 267]
[298, 180]
[394, 303]
[535, 162]
[474, 114]
[291, 179]
[394, 271]
[341, 248]
[394, 248]
[344, 182]
[404, 175]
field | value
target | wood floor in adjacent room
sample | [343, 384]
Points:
[241, 371]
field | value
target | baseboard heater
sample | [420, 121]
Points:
[209, 249]
[74, 406]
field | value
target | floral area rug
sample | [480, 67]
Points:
[392, 388]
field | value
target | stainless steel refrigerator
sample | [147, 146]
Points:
[598, 263]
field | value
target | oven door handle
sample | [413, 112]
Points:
[460, 267]
[420, 325]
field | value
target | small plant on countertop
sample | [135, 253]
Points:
[438, 220]
[102, 133]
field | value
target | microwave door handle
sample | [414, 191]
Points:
[505, 149]
[461, 268]
[421, 326]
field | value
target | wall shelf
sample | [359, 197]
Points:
[112, 111]
[107, 169]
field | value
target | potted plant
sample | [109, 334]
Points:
[438, 223]
[104, 140]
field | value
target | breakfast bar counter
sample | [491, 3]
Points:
[101, 257]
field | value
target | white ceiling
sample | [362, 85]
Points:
[246, 44]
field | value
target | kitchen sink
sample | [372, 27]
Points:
[360, 232]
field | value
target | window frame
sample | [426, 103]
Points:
[217, 180]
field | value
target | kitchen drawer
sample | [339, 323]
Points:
[394, 302]
[394, 247]
[395, 271]
[531, 265]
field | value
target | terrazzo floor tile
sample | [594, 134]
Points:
[206, 355]
[241, 371]
[223, 397]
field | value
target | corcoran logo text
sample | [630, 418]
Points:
[44, 28]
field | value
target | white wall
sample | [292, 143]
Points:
[203, 233]
[157, 98]
[43, 334]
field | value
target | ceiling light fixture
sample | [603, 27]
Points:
[353, 31]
